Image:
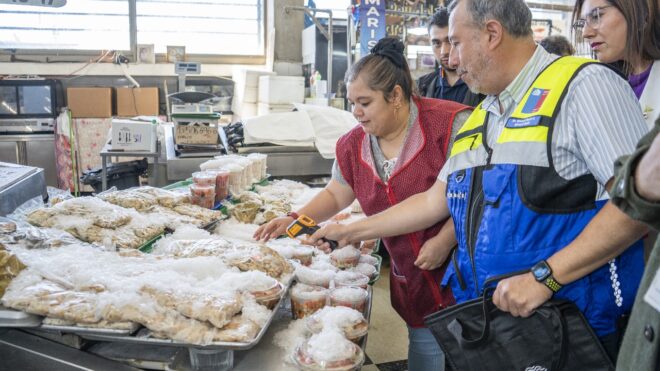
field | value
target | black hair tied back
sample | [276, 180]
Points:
[391, 48]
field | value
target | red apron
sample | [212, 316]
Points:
[415, 293]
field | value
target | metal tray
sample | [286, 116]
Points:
[378, 266]
[80, 330]
[16, 319]
[143, 336]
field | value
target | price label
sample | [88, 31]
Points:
[48, 3]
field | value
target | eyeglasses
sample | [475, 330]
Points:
[593, 19]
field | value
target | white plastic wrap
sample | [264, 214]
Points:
[246, 256]
[91, 219]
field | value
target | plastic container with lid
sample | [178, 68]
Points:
[221, 183]
[351, 322]
[366, 269]
[255, 169]
[304, 256]
[202, 195]
[246, 164]
[351, 297]
[235, 178]
[368, 259]
[351, 279]
[306, 299]
[328, 350]
[315, 277]
[269, 297]
[346, 257]
[262, 159]
[203, 178]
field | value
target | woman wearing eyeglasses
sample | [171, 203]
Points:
[626, 32]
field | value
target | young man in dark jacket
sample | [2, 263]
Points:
[444, 82]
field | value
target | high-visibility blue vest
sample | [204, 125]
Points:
[511, 208]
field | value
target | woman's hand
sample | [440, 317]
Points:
[432, 254]
[332, 231]
[272, 229]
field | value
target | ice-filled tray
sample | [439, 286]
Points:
[143, 336]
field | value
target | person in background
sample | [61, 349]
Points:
[557, 44]
[527, 178]
[397, 149]
[637, 193]
[444, 82]
[626, 33]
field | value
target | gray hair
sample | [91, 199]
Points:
[514, 15]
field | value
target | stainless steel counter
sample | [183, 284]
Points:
[283, 161]
[22, 351]
[31, 149]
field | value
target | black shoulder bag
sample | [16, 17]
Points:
[475, 335]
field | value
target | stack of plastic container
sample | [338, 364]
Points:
[240, 171]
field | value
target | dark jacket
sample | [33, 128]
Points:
[640, 350]
[426, 85]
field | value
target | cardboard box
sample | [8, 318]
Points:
[130, 135]
[137, 102]
[89, 102]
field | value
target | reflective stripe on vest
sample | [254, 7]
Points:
[525, 134]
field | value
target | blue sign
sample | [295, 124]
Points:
[372, 21]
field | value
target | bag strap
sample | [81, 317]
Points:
[487, 303]
[558, 362]
[499, 277]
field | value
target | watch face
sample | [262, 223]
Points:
[541, 271]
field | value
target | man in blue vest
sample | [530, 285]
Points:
[527, 179]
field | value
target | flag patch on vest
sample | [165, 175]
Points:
[516, 123]
[535, 100]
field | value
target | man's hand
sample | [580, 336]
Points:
[647, 175]
[332, 231]
[272, 229]
[432, 255]
[520, 295]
